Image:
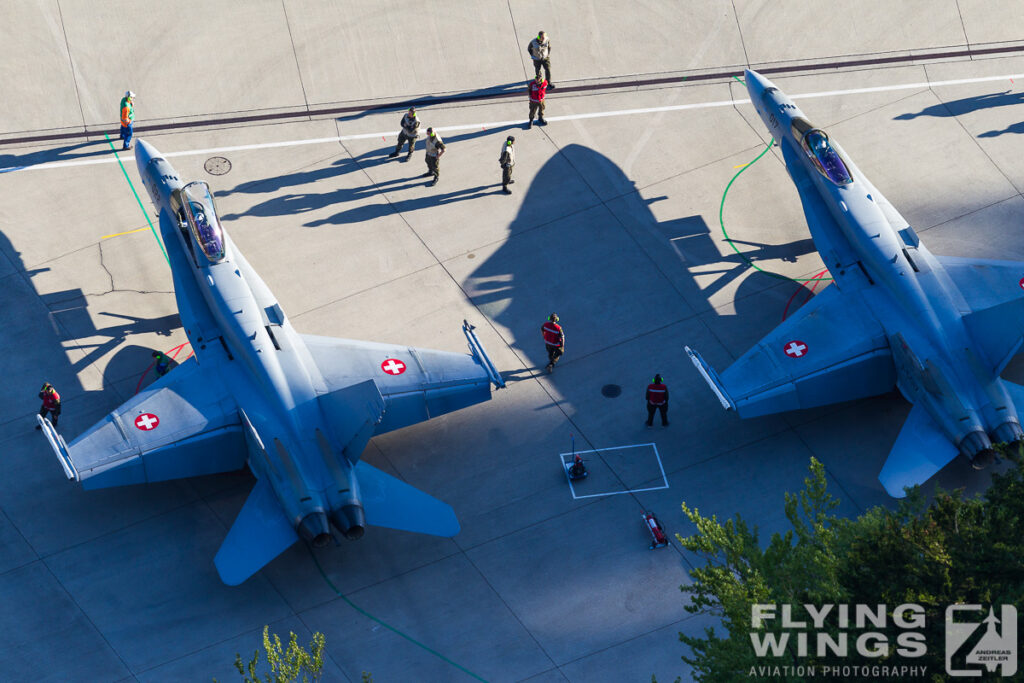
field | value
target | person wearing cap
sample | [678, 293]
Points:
[538, 87]
[507, 160]
[435, 148]
[127, 118]
[657, 400]
[51, 403]
[554, 340]
[161, 363]
[410, 131]
[540, 52]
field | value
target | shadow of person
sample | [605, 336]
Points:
[16, 162]
[1007, 98]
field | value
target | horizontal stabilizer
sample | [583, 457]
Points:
[260, 533]
[992, 292]
[390, 502]
[921, 450]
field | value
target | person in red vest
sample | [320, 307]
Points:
[657, 399]
[554, 340]
[538, 87]
[51, 403]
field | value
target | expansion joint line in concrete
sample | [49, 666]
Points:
[143, 208]
[385, 624]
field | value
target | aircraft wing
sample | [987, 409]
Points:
[416, 384]
[994, 293]
[831, 350]
[183, 425]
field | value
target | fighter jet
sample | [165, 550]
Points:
[297, 409]
[941, 329]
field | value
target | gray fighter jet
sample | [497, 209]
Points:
[297, 409]
[941, 329]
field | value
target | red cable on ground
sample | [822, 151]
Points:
[810, 293]
[174, 354]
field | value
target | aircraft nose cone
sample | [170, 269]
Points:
[144, 153]
[756, 83]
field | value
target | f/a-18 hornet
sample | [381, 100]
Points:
[941, 329]
[298, 409]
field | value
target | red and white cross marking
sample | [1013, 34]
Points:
[1021, 283]
[147, 422]
[393, 366]
[795, 349]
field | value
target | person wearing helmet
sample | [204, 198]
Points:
[507, 160]
[51, 403]
[435, 148]
[657, 400]
[554, 340]
[540, 52]
[127, 118]
[410, 131]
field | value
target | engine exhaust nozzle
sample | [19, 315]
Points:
[978, 449]
[350, 520]
[315, 529]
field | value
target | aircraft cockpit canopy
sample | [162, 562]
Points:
[825, 158]
[201, 216]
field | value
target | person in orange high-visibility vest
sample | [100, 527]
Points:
[657, 399]
[554, 340]
[51, 403]
[127, 118]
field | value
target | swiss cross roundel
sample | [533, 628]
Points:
[147, 422]
[795, 349]
[393, 366]
[1021, 283]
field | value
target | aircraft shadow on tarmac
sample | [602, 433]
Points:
[14, 162]
[1007, 98]
[486, 91]
[69, 320]
[507, 289]
[44, 355]
[296, 203]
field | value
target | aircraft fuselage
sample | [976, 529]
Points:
[233, 321]
[874, 249]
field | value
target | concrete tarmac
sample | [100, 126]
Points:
[613, 223]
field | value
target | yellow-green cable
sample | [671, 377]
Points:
[721, 222]
[144, 212]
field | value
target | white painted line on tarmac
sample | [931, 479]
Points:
[516, 122]
[572, 489]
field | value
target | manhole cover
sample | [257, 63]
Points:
[611, 390]
[217, 165]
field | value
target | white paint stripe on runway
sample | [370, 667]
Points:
[517, 122]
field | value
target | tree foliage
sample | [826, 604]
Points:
[286, 664]
[957, 549]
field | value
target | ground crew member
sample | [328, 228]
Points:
[161, 364]
[127, 118]
[435, 148]
[410, 131]
[538, 87]
[554, 340]
[51, 403]
[540, 52]
[657, 399]
[507, 160]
